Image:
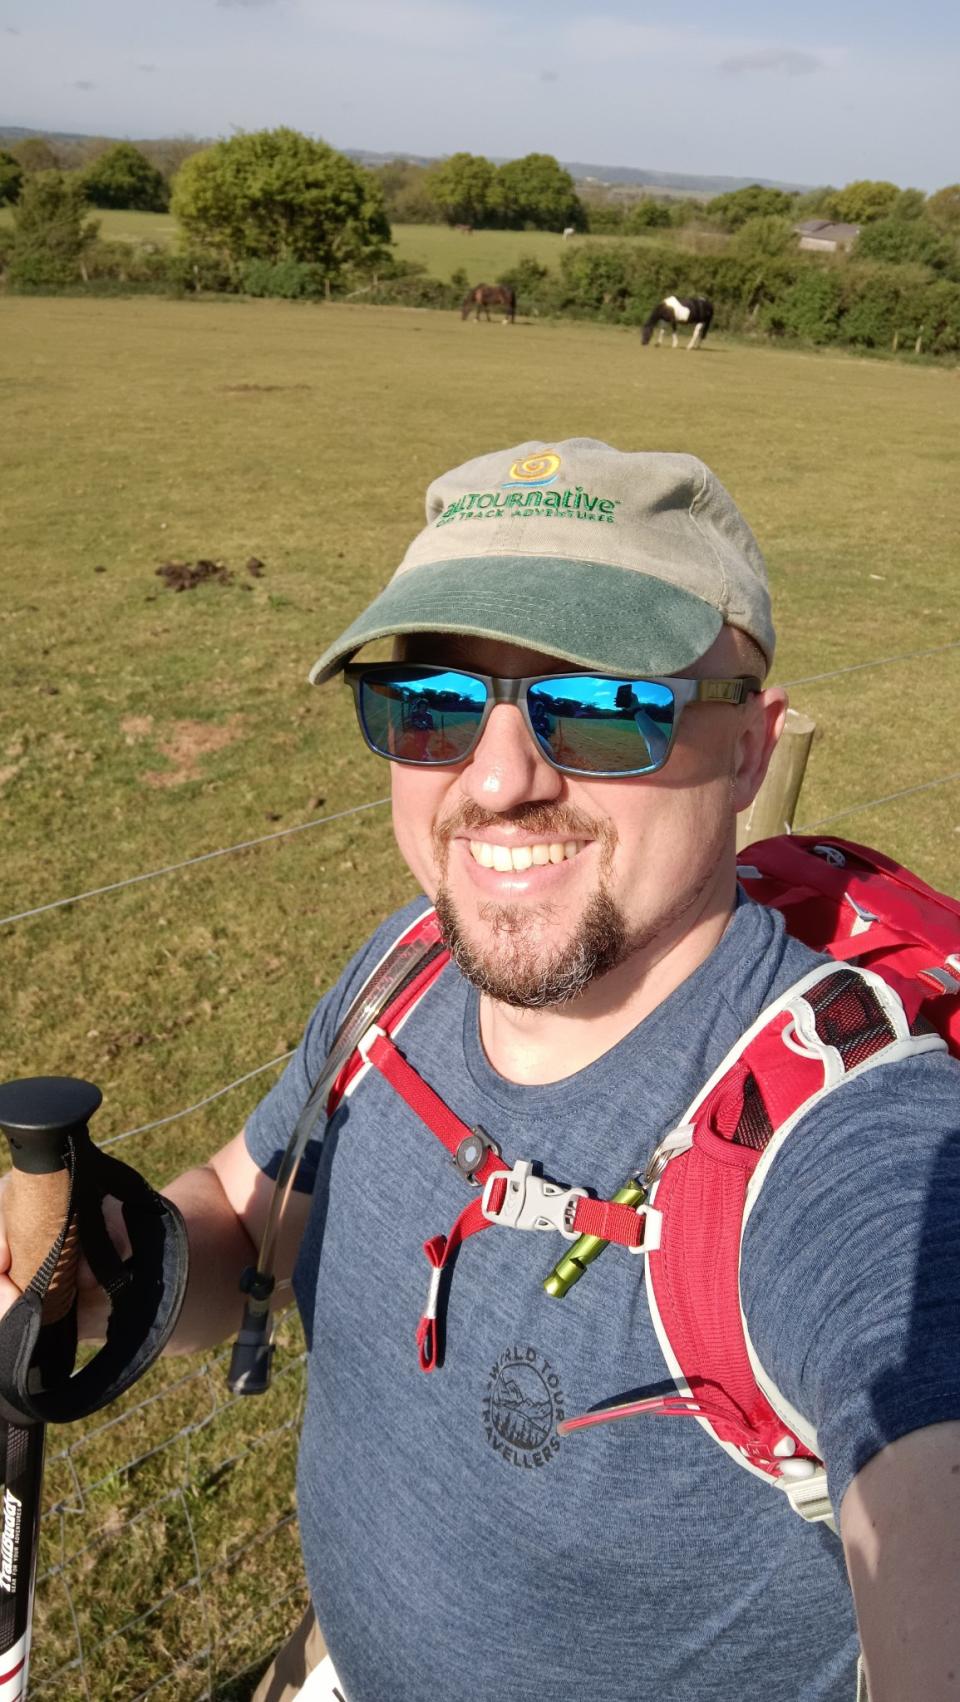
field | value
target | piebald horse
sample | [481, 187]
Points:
[484, 296]
[695, 311]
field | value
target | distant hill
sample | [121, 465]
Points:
[614, 176]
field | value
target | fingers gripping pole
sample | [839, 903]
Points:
[38, 1117]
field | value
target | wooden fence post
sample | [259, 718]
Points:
[773, 807]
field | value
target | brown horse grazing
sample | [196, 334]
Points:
[484, 296]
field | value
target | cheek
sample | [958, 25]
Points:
[417, 797]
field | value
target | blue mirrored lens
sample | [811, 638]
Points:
[420, 714]
[603, 726]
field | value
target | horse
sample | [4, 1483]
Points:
[695, 310]
[485, 296]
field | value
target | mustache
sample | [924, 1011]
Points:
[554, 821]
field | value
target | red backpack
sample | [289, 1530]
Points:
[891, 991]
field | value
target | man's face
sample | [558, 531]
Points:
[545, 881]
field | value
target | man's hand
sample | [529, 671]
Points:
[93, 1306]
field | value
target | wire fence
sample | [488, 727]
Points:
[169, 1555]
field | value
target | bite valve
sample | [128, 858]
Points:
[252, 1358]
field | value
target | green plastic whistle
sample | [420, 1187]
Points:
[574, 1264]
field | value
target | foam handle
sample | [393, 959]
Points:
[39, 1116]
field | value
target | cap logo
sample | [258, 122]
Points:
[533, 470]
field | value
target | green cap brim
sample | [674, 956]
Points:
[594, 615]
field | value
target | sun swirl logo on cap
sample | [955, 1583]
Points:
[533, 470]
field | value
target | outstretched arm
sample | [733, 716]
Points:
[224, 1204]
[900, 1523]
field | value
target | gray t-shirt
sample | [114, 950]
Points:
[455, 1546]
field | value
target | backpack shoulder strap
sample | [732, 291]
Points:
[833, 1025]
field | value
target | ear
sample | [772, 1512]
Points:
[761, 726]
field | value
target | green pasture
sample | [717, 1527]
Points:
[484, 254]
[141, 726]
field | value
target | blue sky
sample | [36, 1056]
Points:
[831, 93]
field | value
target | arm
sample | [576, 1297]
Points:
[224, 1204]
[900, 1523]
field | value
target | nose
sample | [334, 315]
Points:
[507, 768]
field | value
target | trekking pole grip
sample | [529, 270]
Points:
[41, 1116]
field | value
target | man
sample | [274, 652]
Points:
[579, 846]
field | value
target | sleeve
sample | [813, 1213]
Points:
[269, 1128]
[850, 1270]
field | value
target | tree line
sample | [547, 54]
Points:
[278, 213]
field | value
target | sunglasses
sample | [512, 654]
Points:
[602, 725]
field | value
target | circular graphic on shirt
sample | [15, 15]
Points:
[522, 1406]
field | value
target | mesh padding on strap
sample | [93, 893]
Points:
[850, 1017]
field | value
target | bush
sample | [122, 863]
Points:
[882, 304]
[899, 241]
[646, 214]
[50, 237]
[11, 177]
[293, 280]
[809, 308]
[124, 177]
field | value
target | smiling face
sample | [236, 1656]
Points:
[545, 882]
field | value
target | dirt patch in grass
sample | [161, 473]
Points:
[185, 746]
[260, 389]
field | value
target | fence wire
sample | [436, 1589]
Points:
[169, 1561]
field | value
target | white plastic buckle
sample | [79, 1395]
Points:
[531, 1203]
[374, 1032]
[652, 1225]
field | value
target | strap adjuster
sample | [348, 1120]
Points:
[472, 1151]
[529, 1202]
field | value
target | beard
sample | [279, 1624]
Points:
[511, 966]
[515, 971]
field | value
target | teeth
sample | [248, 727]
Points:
[503, 858]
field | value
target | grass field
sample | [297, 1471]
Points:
[140, 726]
[485, 254]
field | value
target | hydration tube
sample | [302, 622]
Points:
[250, 1362]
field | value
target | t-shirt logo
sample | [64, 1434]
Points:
[522, 1406]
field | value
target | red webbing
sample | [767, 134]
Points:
[610, 1221]
[428, 1106]
[440, 1250]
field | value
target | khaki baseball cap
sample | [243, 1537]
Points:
[617, 560]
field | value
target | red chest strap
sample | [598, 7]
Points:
[513, 1197]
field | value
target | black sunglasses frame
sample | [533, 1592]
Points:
[501, 689]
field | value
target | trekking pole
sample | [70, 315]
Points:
[38, 1116]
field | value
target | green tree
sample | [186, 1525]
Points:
[944, 207]
[35, 153]
[11, 177]
[124, 177]
[899, 241]
[910, 204]
[754, 202]
[463, 187]
[861, 202]
[50, 233]
[405, 195]
[535, 193]
[278, 195]
[762, 238]
[647, 214]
